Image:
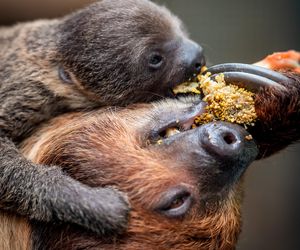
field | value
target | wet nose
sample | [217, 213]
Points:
[225, 141]
[193, 58]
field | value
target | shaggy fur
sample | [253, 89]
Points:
[85, 152]
[94, 57]
[110, 147]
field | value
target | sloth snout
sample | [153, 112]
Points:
[193, 58]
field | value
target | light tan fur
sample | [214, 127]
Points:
[14, 232]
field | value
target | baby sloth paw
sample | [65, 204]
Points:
[100, 210]
[106, 211]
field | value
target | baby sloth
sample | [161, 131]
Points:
[186, 192]
[114, 52]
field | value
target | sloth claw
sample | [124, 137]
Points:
[249, 76]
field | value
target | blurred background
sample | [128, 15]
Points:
[230, 31]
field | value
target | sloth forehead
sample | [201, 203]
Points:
[136, 17]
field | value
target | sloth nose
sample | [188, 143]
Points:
[226, 141]
[193, 58]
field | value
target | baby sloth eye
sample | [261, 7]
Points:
[64, 75]
[155, 61]
[175, 203]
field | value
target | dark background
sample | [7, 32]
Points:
[230, 31]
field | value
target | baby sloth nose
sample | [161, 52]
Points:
[226, 141]
[193, 58]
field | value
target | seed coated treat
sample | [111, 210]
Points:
[224, 102]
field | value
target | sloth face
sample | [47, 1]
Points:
[121, 52]
[185, 192]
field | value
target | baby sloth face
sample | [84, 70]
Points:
[121, 52]
[185, 191]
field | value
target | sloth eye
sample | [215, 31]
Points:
[175, 203]
[155, 60]
[64, 75]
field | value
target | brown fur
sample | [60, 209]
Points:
[109, 147]
[76, 143]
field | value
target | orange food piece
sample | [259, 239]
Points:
[285, 61]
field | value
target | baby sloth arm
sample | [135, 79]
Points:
[46, 193]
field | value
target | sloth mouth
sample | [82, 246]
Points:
[173, 127]
[185, 78]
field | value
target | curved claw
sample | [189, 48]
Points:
[249, 76]
[249, 81]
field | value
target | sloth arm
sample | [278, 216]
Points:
[276, 84]
[278, 112]
[41, 192]
[277, 99]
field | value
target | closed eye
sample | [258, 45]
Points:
[175, 203]
[64, 75]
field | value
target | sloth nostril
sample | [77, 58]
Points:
[198, 66]
[229, 138]
[223, 140]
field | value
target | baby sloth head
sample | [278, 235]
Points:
[120, 52]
